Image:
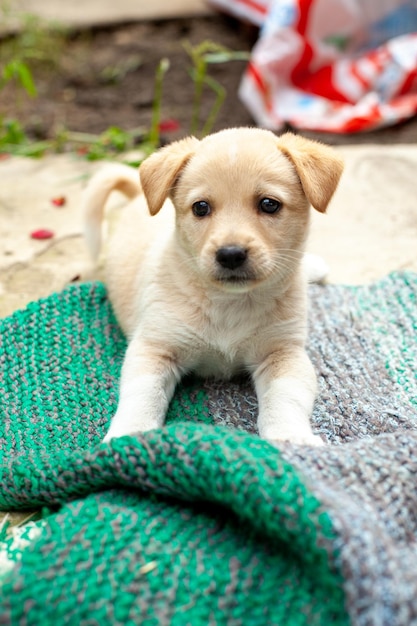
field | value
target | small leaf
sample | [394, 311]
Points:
[26, 80]
[12, 133]
[19, 70]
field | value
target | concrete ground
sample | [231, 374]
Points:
[86, 13]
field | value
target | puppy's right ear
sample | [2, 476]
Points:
[159, 172]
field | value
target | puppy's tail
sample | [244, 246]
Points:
[116, 177]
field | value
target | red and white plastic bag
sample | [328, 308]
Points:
[330, 65]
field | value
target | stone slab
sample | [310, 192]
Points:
[82, 14]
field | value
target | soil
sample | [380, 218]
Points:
[106, 78]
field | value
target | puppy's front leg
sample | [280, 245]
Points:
[148, 380]
[286, 388]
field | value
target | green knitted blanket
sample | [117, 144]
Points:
[201, 522]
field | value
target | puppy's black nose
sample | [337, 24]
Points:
[231, 257]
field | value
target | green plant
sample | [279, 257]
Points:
[36, 46]
[202, 55]
[154, 133]
[112, 142]
[13, 140]
[20, 71]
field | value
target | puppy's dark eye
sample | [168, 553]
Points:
[268, 205]
[201, 208]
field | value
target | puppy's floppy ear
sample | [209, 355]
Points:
[319, 167]
[159, 172]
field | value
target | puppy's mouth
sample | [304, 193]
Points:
[236, 279]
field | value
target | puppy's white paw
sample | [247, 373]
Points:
[117, 430]
[306, 439]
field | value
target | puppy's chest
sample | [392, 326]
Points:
[225, 344]
[222, 357]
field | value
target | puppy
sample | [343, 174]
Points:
[205, 271]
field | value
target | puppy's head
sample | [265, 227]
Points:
[242, 199]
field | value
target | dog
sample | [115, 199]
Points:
[206, 271]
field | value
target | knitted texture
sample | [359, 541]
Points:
[201, 522]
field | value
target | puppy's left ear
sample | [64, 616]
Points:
[319, 167]
[159, 172]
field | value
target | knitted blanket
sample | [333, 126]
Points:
[201, 522]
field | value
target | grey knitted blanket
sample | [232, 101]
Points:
[201, 522]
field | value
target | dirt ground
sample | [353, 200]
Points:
[105, 77]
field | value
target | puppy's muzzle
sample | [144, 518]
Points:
[231, 257]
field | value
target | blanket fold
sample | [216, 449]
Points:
[201, 522]
[207, 526]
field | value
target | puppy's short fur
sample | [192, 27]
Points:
[205, 271]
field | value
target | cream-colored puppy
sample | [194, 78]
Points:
[205, 271]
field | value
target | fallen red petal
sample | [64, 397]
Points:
[59, 201]
[42, 233]
[169, 125]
